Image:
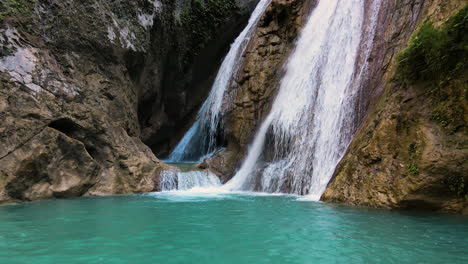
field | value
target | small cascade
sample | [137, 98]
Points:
[312, 120]
[182, 181]
[188, 149]
[201, 138]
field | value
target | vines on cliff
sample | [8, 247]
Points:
[15, 7]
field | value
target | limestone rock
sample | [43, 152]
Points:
[221, 164]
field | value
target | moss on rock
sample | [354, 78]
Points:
[15, 7]
[435, 54]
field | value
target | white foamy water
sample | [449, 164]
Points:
[200, 140]
[310, 124]
[171, 180]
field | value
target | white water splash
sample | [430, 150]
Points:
[200, 140]
[309, 122]
[171, 180]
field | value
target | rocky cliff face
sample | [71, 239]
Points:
[411, 149]
[84, 83]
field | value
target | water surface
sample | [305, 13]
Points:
[183, 227]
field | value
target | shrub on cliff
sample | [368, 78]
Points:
[15, 7]
[436, 53]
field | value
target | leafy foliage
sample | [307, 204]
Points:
[413, 153]
[14, 7]
[458, 185]
[413, 169]
[436, 53]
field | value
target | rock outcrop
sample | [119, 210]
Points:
[411, 149]
[81, 80]
[258, 80]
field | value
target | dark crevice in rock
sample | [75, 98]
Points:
[134, 62]
[419, 204]
[76, 132]
[73, 192]
[65, 125]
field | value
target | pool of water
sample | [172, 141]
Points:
[183, 227]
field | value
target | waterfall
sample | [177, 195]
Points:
[171, 180]
[310, 125]
[201, 138]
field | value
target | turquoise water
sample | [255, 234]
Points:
[223, 228]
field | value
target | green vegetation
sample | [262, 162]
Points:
[412, 150]
[440, 118]
[436, 54]
[436, 58]
[15, 7]
[5, 50]
[457, 185]
[9, 8]
[413, 154]
[413, 169]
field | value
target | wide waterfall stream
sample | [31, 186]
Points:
[313, 117]
[309, 123]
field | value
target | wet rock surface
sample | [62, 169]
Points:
[258, 80]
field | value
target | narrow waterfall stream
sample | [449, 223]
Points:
[310, 124]
[201, 139]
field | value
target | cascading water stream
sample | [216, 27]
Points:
[309, 127]
[171, 180]
[200, 140]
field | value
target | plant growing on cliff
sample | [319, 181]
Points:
[413, 169]
[435, 54]
[457, 185]
[412, 150]
[412, 154]
[15, 7]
